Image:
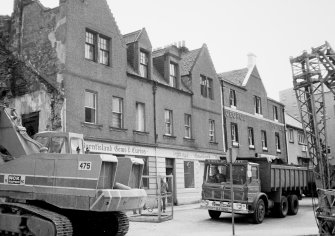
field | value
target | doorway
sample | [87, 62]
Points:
[170, 170]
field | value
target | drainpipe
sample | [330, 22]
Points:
[154, 89]
[224, 121]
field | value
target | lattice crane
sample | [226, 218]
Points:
[313, 75]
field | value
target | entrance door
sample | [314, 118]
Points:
[169, 163]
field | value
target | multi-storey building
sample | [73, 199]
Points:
[255, 123]
[296, 142]
[163, 106]
[288, 98]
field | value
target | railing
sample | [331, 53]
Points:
[159, 205]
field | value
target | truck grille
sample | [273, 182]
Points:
[224, 194]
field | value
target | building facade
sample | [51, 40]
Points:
[255, 123]
[163, 106]
[296, 142]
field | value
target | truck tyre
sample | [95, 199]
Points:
[293, 204]
[259, 213]
[282, 207]
[214, 214]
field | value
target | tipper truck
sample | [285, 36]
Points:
[50, 187]
[259, 187]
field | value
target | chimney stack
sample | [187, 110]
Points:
[251, 60]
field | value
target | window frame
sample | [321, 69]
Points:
[264, 140]
[206, 87]
[138, 104]
[99, 48]
[251, 138]
[118, 113]
[189, 183]
[188, 126]
[290, 135]
[173, 74]
[301, 138]
[277, 142]
[275, 113]
[234, 134]
[212, 137]
[95, 97]
[258, 105]
[232, 98]
[168, 121]
[144, 64]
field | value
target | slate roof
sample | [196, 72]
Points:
[188, 60]
[132, 37]
[235, 76]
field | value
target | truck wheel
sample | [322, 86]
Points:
[282, 207]
[259, 212]
[214, 214]
[293, 204]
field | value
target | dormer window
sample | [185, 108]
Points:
[173, 75]
[144, 61]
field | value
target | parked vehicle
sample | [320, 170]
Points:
[48, 186]
[259, 187]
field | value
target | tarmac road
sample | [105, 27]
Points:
[190, 220]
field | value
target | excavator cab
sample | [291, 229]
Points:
[60, 142]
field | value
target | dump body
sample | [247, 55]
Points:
[285, 177]
[258, 185]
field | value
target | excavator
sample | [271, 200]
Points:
[50, 185]
[313, 76]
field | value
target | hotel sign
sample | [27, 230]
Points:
[234, 115]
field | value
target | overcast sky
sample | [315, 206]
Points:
[273, 30]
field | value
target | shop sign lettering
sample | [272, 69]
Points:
[234, 115]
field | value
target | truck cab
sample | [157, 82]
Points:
[216, 188]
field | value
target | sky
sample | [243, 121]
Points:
[273, 30]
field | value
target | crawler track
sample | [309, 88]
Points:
[60, 224]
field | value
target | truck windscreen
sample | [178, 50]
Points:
[221, 174]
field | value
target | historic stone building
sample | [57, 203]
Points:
[254, 122]
[163, 106]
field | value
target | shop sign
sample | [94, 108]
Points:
[99, 147]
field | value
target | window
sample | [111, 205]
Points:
[211, 130]
[173, 75]
[145, 181]
[290, 136]
[189, 174]
[168, 122]
[117, 110]
[234, 134]
[277, 141]
[90, 107]
[301, 138]
[187, 121]
[103, 50]
[140, 117]
[90, 43]
[144, 64]
[264, 141]
[94, 41]
[232, 98]
[275, 113]
[258, 105]
[251, 137]
[206, 87]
